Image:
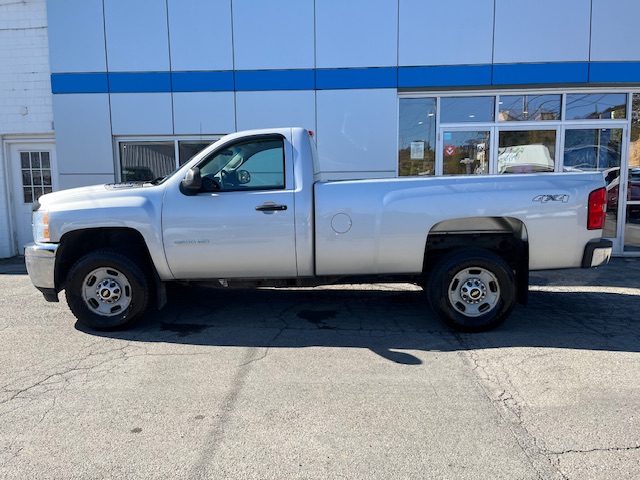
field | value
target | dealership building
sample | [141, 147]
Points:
[99, 91]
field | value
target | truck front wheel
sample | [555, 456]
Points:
[107, 291]
[472, 291]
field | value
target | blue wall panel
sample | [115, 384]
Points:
[275, 80]
[344, 78]
[445, 76]
[545, 73]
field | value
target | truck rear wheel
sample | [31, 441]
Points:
[472, 291]
[107, 291]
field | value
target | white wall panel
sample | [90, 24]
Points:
[141, 114]
[276, 109]
[137, 35]
[356, 33]
[83, 134]
[614, 32]
[76, 36]
[357, 132]
[542, 31]
[204, 113]
[200, 34]
[277, 34]
[455, 32]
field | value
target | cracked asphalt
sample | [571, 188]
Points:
[354, 382]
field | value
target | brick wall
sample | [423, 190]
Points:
[25, 87]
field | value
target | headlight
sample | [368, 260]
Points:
[41, 226]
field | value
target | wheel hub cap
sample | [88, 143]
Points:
[473, 291]
[108, 290]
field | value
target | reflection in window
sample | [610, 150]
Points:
[529, 107]
[596, 106]
[466, 109]
[417, 134]
[146, 161]
[592, 148]
[187, 149]
[466, 153]
[527, 151]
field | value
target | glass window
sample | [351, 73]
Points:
[592, 148]
[526, 151]
[466, 152]
[417, 135]
[36, 175]
[188, 148]
[466, 109]
[528, 107]
[255, 164]
[146, 161]
[596, 106]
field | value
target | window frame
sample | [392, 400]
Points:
[247, 140]
[496, 126]
[118, 140]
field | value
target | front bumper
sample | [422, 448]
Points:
[40, 259]
[596, 253]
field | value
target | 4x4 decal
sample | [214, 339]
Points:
[551, 198]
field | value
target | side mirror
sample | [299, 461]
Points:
[243, 177]
[192, 182]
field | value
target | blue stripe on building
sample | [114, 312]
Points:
[552, 74]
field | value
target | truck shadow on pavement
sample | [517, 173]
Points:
[391, 321]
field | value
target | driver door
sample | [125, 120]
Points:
[240, 224]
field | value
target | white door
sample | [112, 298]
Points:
[32, 167]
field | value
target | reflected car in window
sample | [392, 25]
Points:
[612, 179]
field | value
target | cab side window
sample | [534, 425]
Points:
[248, 165]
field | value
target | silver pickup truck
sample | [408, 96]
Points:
[249, 211]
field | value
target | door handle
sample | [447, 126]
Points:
[270, 207]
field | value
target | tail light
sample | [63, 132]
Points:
[597, 209]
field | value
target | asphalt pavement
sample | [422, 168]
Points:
[356, 382]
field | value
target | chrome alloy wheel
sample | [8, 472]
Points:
[474, 291]
[106, 291]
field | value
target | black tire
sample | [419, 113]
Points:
[472, 291]
[107, 291]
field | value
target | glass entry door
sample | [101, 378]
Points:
[465, 152]
[632, 211]
[601, 149]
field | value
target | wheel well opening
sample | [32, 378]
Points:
[504, 236]
[75, 245]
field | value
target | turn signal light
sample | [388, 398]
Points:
[597, 209]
